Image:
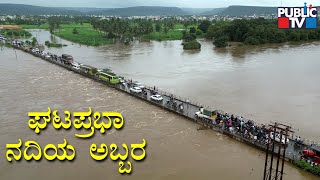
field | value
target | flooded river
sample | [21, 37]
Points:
[266, 85]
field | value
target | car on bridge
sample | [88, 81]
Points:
[136, 90]
[75, 65]
[157, 97]
[67, 59]
[137, 84]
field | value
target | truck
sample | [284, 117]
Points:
[67, 59]
[313, 155]
[206, 114]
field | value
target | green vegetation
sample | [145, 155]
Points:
[85, 36]
[204, 26]
[258, 31]
[32, 26]
[5, 44]
[194, 44]
[95, 31]
[17, 33]
[50, 44]
[220, 42]
[75, 31]
[34, 41]
[307, 167]
[190, 41]
[162, 36]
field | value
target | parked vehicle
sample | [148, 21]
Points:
[105, 70]
[75, 65]
[157, 97]
[122, 81]
[137, 84]
[67, 59]
[136, 90]
[313, 155]
[203, 113]
[88, 69]
[108, 77]
[35, 50]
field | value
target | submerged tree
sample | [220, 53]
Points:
[34, 41]
[220, 42]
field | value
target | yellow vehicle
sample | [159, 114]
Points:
[88, 69]
[109, 77]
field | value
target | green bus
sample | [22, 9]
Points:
[109, 77]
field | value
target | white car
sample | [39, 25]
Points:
[136, 90]
[75, 65]
[35, 50]
[122, 81]
[157, 97]
[139, 85]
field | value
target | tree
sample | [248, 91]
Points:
[204, 25]
[165, 30]
[54, 23]
[34, 41]
[199, 32]
[192, 30]
[218, 29]
[189, 37]
[252, 40]
[158, 27]
[220, 42]
[194, 44]
[75, 31]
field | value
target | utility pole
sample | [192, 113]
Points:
[278, 135]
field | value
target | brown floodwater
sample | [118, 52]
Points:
[257, 83]
[265, 83]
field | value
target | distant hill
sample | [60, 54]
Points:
[248, 10]
[214, 11]
[196, 11]
[141, 11]
[84, 9]
[22, 9]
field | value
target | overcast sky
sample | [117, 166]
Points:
[177, 3]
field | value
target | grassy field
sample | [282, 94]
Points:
[85, 35]
[181, 26]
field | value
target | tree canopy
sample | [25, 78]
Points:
[259, 31]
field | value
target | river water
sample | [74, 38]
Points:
[265, 83]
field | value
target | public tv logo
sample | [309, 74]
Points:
[297, 17]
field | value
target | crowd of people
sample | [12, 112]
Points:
[240, 126]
